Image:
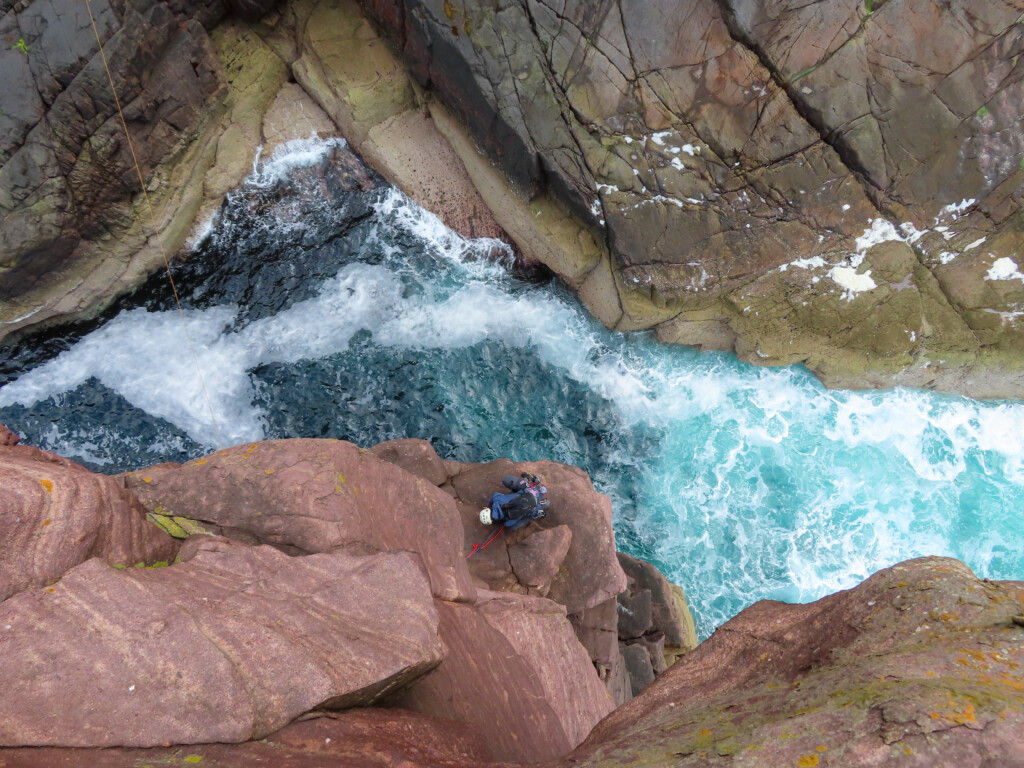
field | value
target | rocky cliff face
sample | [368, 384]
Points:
[322, 577]
[836, 184]
[318, 577]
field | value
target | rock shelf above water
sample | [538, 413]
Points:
[300, 594]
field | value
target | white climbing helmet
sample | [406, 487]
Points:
[485, 516]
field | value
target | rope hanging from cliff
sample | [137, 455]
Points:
[478, 547]
[156, 231]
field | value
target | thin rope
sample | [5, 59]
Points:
[478, 547]
[156, 231]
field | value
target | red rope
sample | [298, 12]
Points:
[478, 547]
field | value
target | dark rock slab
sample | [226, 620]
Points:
[638, 667]
[634, 613]
[229, 646]
[315, 496]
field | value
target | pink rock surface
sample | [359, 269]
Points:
[361, 738]
[229, 646]
[921, 665]
[415, 456]
[55, 514]
[590, 572]
[515, 670]
[536, 559]
[316, 496]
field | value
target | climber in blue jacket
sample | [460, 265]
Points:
[528, 501]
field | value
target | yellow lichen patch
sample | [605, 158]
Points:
[147, 479]
[268, 471]
[47, 484]
[192, 759]
[50, 589]
[821, 748]
[959, 713]
[908, 751]
[807, 761]
[46, 522]
[197, 462]
[342, 478]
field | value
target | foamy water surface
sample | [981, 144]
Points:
[741, 483]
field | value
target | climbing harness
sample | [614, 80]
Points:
[156, 231]
[492, 537]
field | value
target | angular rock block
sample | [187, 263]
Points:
[55, 514]
[634, 613]
[515, 670]
[667, 614]
[590, 574]
[229, 646]
[415, 456]
[315, 496]
[638, 666]
[536, 559]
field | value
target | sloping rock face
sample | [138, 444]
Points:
[920, 665]
[504, 641]
[309, 496]
[68, 179]
[230, 645]
[56, 514]
[831, 183]
[360, 738]
[306, 496]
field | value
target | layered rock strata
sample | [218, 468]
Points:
[835, 184]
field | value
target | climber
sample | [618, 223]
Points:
[528, 501]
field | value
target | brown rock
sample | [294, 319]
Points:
[415, 456]
[8, 438]
[229, 646]
[917, 666]
[55, 514]
[638, 666]
[536, 559]
[315, 496]
[514, 670]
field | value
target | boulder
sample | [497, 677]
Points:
[305, 496]
[415, 456]
[590, 574]
[917, 666]
[669, 611]
[359, 738]
[536, 559]
[515, 670]
[634, 613]
[230, 645]
[56, 514]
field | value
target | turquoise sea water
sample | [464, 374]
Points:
[365, 319]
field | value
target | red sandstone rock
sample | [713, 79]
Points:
[515, 670]
[315, 496]
[590, 573]
[229, 646]
[536, 559]
[54, 514]
[413, 455]
[361, 738]
[920, 665]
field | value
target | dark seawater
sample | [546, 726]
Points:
[320, 311]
